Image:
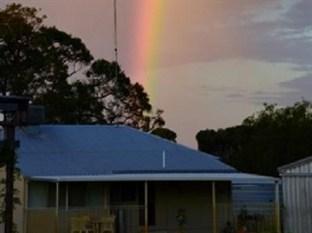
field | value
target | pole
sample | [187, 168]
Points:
[14, 111]
[9, 136]
[214, 208]
[277, 208]
[145, 207]
[66, 197]
[56, 204]
[115, 32]
[106, 199]
[115, 38]
[25, 205]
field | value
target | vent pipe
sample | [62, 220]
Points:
[164, 159]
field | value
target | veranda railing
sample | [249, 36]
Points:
[256, 217]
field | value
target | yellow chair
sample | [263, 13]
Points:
[81, 225]
[107, 224]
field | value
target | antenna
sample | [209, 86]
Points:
[115, 38]
[164, 159]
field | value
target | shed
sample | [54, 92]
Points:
[297, 195]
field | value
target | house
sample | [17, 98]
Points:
[297, 195]
[148, 184]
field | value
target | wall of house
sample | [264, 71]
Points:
[168, 198]
[19, 208]
[195, 201]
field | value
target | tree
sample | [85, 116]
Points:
[40, 61]
[34, 58]
[44, 63]
[165, 133]
[265, 140]
[122, 102]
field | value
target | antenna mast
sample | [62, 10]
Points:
[115, 36]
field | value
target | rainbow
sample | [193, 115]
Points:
[149, 24]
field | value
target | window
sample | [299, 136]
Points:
[82, 194]
[41, 195]
[77, 194]
[124, 193]
[62, 203]
[95, 195]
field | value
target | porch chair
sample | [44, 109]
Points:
[108, 224]
[81, 224]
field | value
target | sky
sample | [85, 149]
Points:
[206, 63]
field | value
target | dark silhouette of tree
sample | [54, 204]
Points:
[58, 71]
[165, 133]
[39, 61]
[264, 141]
[122, 102]
[35, 59]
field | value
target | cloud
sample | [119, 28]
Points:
[273, 11]
[291, 91]
[286, 37]
[276, 31]
[300, 87]
[300, 15]
[194, 31]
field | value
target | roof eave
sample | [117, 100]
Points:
[237, 177]
[281, 169]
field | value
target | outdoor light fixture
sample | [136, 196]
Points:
[14, 113]
[14, 110]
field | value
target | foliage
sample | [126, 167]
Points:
[121, 101]
[34, 58]
[39, 61]
[6, 154]
[264, 141]
[165, 133]
[58, 71]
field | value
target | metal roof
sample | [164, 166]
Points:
[97, 150]
[294, 164]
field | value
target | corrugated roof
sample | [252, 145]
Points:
[294, 164]
[89, 150]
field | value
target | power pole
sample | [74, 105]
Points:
[14, 110]
[9, 141]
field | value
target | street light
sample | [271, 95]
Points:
[14, 110]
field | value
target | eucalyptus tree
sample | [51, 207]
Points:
[58, 71]
[265, 140]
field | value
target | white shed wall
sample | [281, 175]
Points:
[297, 198]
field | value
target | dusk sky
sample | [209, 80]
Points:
[206, 63]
